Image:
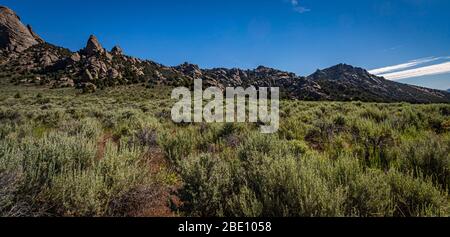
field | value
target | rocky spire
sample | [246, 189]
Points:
[14, 35]
[93, 46]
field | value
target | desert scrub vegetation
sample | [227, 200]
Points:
[117, 153]
[62, 174]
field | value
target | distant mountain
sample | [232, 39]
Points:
[25, 58]
[448, 90]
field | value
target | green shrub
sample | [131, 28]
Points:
[414, 197]
[266, 180]
[10, 116]
[373, 141]
[51, 118]
[177, 145]
[207, 186]
[89, 192]
[78, 193]
[408, 118]
[290, 186]
[375, 114]
[52, 155]
[369, 195]
[9, 186]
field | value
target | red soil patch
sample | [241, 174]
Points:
[162, 198]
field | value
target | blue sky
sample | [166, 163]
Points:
[294, 35]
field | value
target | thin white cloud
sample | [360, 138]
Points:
[436, 69]
[406, 65]
[392, 48]
[298, 8]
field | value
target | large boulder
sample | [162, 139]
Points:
[14, 35]
[117, 51]
[190, 70]
[114, 74]
[47, 59]
[75, 57]
[88, 87]
[86, 76]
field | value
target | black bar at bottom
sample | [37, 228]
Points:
[225, 226]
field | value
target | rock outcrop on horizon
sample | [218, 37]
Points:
[347, 83]
[15, 37]
[25, 58]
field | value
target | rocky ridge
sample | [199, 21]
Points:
[25, 58]
[347, 83]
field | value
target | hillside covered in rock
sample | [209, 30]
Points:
[25, 58]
